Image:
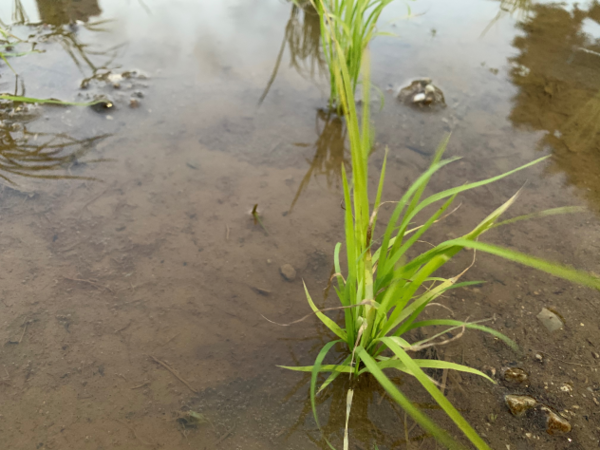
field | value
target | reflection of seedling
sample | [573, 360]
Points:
[330, 151]
[257, 220]
[42, 155]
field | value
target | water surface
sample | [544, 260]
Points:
[134, 241]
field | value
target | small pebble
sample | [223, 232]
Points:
[555, 423]
[288, 272]
[134, 103]
[515, 374]
[420, 97]
[518, 404]
[550, 320]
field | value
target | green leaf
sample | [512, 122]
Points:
[555, 269]
[458, 324]
[326, 320]
[424, 421]
[445, 404]
[314, 375]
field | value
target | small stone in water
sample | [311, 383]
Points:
[550, 320]
[288, 272]
[518, 404]
[134, 103]
[419, 97]
[515, 374]
[555, 423]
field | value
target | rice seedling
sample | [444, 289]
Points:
[353, 29]
[384, 291]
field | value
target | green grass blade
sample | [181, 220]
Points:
[457, 323]
[326, 320]
[423, 421]
[436, 364]
[334, 368]
[314, 376]
[545, 213]
[555, 269]
[53, 101]
[445, 404]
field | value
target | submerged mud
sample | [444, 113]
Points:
[138, 284]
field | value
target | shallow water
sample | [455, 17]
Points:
[152, 254]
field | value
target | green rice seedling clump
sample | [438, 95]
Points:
[384, 291]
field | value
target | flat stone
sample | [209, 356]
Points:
[288, 272]
[551, 321]
[518, 404]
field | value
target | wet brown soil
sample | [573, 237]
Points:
[132, 298]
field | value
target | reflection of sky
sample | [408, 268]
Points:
[591, 28]
[166, 32]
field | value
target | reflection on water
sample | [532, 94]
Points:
[303, 39]
[60, 12]
[515, 8]
[30, 154]
[330, 152]
[556, 72]
[94, 64]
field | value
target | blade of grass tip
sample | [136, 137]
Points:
[436, 364]
[445, 404]
[545, 213]
[313, 378]
[555, 269]
[425, 422]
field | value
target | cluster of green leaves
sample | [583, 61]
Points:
[384, 291]
[352, 29]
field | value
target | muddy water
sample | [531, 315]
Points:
[136, 281]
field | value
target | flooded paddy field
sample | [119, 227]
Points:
[136, 286]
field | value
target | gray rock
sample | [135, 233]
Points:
[288, 272]
[550, 320]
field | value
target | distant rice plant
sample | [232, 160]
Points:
[354, 28]
[383, 291]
